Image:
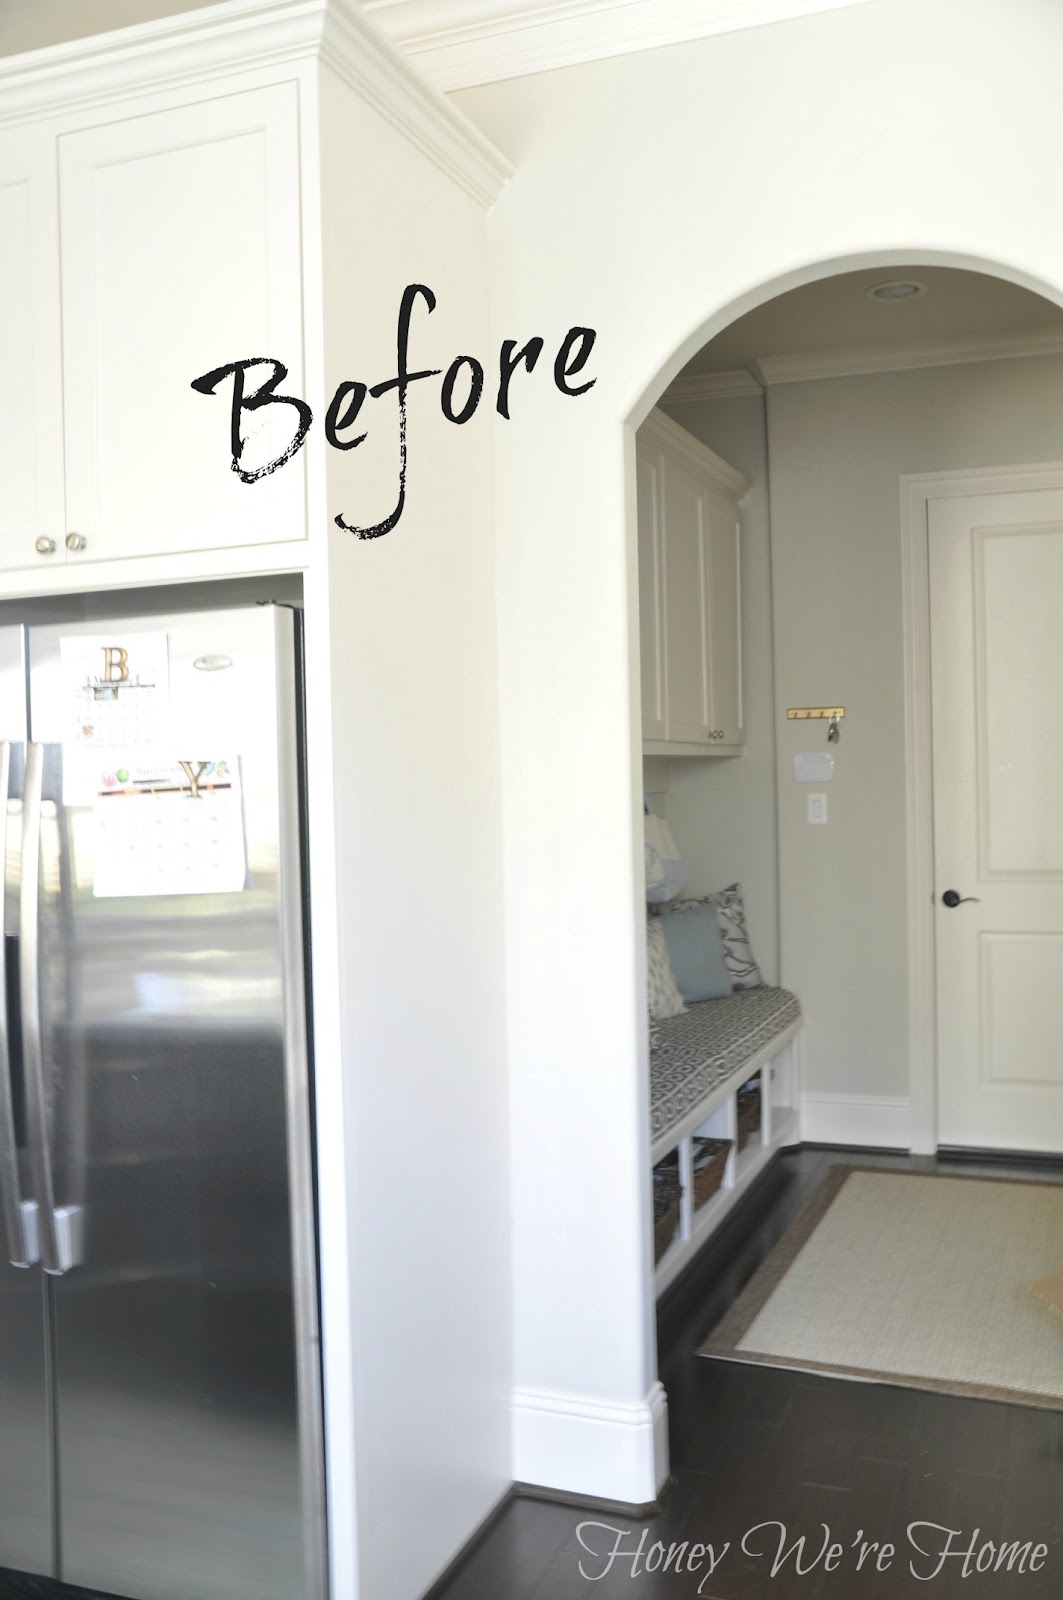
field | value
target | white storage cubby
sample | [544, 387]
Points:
[778, 1069]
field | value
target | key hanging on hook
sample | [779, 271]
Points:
[833, 731]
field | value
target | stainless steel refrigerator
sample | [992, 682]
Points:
[160, 1410]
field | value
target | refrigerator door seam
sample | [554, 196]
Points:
[20, 1216]
[57, 1232]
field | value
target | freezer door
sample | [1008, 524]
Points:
[173, 1029]
[26, 1507]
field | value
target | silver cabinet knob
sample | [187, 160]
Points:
[44, 546]
[76, 541]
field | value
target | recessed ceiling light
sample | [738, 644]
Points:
[897, 289]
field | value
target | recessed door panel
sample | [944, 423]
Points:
[1018, 592]
[651, 591]
[686, 559]
[725, 611]
[180, 254]
[1022, 1010]
[31, 404]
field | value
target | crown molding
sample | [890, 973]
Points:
[457, 44]
[245, 35]
[711, 386]
[382, 75]
[861, 359]
[660, 428]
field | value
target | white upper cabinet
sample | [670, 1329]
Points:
[181, 249]
[723, 581]
[689, 594]
[31, 393]
[180, 197]
[688, 669]
[651, 593]
[140, 253]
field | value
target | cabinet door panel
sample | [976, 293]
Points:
[651, 595]
[725, 609]
[31, 404]
[686, 626]
[180, 253]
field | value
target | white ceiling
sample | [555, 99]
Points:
[836, 314]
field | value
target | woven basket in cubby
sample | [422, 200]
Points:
[710, 1163]
[748, 1113]
[667, 1193]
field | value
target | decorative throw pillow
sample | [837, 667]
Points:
[731, 914]
[695, 946]
[663, 997]
[666, 876]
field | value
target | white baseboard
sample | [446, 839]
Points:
[586, 1446]
[858, 1119]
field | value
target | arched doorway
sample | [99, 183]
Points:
[849, 624]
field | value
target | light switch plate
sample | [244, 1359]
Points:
[817, 808]
[814, 766]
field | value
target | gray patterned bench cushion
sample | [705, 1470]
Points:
[694, 1052]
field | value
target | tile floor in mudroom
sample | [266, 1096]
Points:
[752, 1444]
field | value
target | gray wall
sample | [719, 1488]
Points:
[838, 448]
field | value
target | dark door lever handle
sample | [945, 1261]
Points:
[952, 899]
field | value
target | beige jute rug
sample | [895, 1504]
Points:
[915, 1279]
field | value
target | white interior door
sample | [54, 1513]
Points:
[996, 595]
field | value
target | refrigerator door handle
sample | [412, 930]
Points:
[57, 1227]
[20, 1216]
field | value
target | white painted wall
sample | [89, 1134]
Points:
[658, 196]
[838, 449]
[722, 812]
[410, 619]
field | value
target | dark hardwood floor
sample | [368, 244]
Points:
[750, 1445]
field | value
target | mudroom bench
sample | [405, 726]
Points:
[724, 1096]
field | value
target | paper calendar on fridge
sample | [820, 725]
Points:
[168, 826]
